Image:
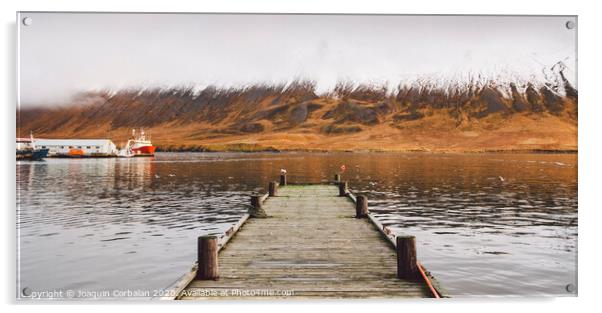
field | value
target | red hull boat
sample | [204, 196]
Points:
[138, 146]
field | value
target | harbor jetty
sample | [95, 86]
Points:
[306, 241]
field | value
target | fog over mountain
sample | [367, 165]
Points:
[62, 55]
[422, 116]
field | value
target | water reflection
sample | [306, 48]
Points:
[484, 222]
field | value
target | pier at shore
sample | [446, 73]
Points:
[306, 241]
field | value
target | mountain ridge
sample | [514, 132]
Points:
[293, 116]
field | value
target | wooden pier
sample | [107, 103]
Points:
[306, 241]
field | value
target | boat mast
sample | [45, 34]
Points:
[33, 146]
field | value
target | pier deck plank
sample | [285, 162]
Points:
[311, 245]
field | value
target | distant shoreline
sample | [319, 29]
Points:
[256, 149]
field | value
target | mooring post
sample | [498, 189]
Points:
[256, 209]
[342, 189]
[337, 177]
[273, 189]
[361, 207]
[208, 268]
[407, 266]
[256, 201]
[282, 179]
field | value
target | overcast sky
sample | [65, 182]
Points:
[62, 53]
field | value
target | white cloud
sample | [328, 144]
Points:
[63, 53]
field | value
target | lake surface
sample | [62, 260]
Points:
[485, 224]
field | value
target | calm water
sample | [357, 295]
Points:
[486, 224]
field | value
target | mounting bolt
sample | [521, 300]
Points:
[570, 25]
[27, 21]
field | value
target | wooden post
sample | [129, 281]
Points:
[273, 189]
[283, 179]
[407, 268]
[208, 268]
[337, 177]
[256, 201]
[342, 189]
[361, 207]
[256, 209]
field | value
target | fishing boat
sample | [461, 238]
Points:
[137, 146]
[27, 150]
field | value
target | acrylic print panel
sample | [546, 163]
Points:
[195, 156]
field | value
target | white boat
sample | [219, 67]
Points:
[137, 145]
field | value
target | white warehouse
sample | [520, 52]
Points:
[78, 147]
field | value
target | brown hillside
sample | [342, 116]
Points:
[424, 118]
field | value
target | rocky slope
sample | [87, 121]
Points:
[415, 117]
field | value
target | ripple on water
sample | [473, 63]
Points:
[100, 224]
